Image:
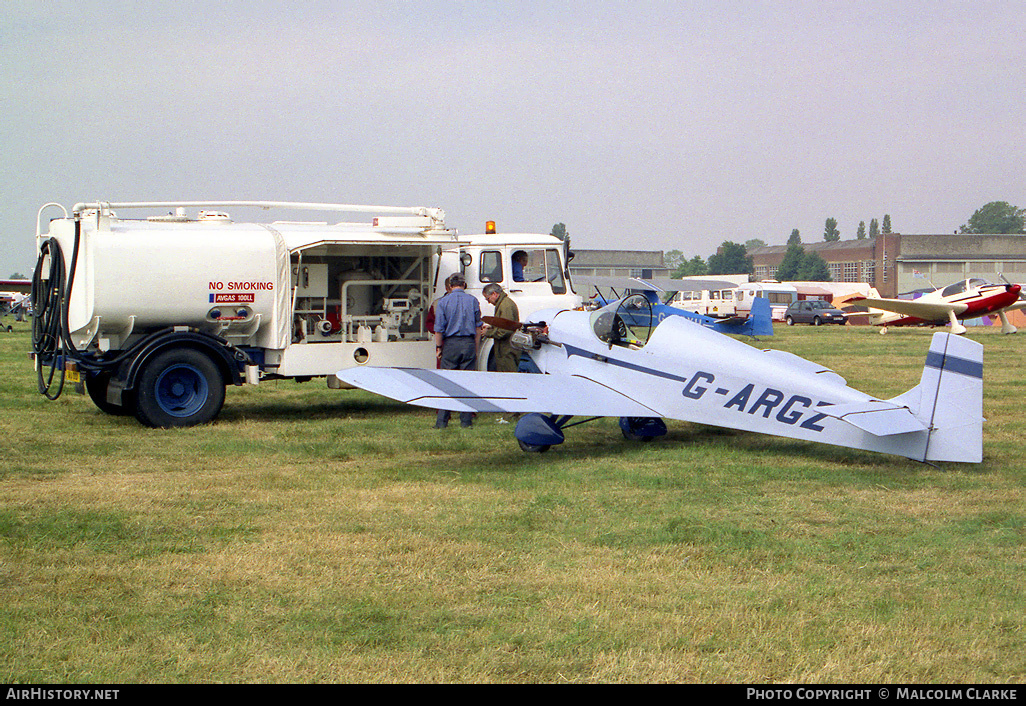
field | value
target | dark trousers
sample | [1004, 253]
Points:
[458, 353]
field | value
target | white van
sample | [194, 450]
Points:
[718, 303]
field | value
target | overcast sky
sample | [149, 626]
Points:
[640, 125]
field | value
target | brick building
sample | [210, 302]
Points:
[894, 263]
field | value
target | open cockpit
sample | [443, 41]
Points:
[627, 322]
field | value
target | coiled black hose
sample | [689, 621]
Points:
[50, 295]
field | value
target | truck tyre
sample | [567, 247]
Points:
[96, 386]
[180, 387]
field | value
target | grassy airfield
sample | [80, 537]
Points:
[312, 535]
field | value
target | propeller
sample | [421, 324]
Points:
[1022, 294]
[499, 322]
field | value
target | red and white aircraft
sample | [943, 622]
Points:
[967, 299]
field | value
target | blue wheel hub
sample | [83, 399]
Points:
[182, 390]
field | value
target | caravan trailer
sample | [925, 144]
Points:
[779, 294]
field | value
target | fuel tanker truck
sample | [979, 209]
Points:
[155, 316]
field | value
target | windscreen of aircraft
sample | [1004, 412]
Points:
[625, 322]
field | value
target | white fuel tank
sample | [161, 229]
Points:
[136, 276]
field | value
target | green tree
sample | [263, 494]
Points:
[860, 234]
[830, 232]
[559, 230]
[681, 266]
[693, 267]
[754, 243]
[674, 259]
[814, 269]
[731, 259]
[886, 224]
[17, 275]
[795, 238]
[874, 228]
[996, 217]
[788, 268]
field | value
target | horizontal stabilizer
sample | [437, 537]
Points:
[875, 416]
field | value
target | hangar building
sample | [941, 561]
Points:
[895, 263]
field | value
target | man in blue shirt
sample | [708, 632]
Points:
[519, 263]
[457, 335]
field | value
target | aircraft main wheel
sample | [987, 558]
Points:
[642, 429]
[789, 321]
[534, 448]
[180, 387]
[96, 385]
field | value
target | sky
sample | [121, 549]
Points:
[640, 125]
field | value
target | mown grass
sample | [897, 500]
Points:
[312, 535]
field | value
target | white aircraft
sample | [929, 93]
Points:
[14, 298]
[608, 363]
[966, 299]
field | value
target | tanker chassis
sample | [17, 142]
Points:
[155, 316]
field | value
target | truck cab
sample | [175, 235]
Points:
[543, 282]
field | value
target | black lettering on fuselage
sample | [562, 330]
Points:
[693, 392]
[740, 400]
[810, 423]
[769, 399]
[786, 415]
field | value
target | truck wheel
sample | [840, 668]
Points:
[96, 385]
[180, 387]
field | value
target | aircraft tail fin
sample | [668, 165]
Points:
[758, 323]
[949, 399]
[761, 318]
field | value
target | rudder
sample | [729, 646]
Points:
[951, 399]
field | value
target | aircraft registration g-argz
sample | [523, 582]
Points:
[966, 299]
[609, 363]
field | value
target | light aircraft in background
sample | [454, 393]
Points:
[966, 299]
[14, 297]
[759, 322]
[596, 364]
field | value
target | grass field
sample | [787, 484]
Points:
[312, 535]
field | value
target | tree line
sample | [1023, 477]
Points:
[996, 217]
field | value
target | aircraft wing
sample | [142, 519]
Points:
[477, 391]
[653, 284]
[911, 307]
[689, 285]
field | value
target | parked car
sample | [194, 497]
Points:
[815, 312]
